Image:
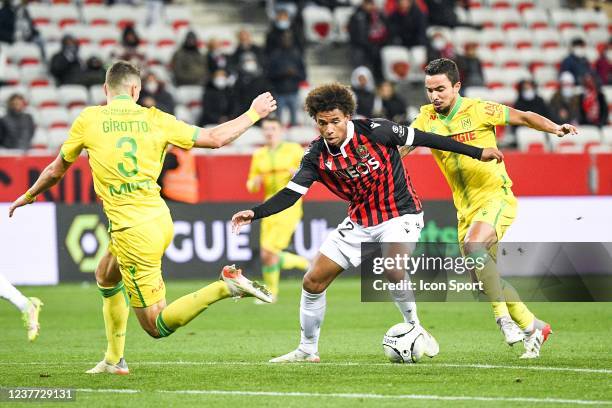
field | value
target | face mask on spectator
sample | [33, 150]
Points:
[151, 86]
[220, 82]
[529, 94]
[249, 66]
[567, 91]
[579, 52]
[438, 43]
[283, 24]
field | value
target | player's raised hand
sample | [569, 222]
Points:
[264, 104]
[566, 129]
[241, 218]
[20, 202]
[491, 153]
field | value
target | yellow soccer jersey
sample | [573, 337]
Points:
[473, 122]
[126, 144]
[276, 167]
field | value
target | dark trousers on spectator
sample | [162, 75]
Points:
[288, 101]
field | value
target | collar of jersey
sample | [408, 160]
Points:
[350, 131]
[122, 97]
[447, 119]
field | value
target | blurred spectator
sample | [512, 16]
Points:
[593, 105]
[283, 23]
[286, 70]
[576, 62]
[154, 93]
[440, 47]
[470, 67]
[16, 25]
[66, 65]
[392, 106]
[565, 104]
[529, 100]
[408, 24]
[249, 83]
[94, 73]
[218, 100]
[188, 64]
[368, 33]
[442, 13]
[603, 65]
[7, 22]
[128, 50]
[363, 87]
[216, 59]
[246, 49]
[17, 126]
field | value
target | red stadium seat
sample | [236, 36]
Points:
[177, 16]
[72, 96]
[96, 15]
[318, 22]
[396, 63]
[535, 18]
[44, 97]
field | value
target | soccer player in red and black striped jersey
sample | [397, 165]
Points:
[359, 161]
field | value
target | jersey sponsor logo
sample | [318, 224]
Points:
[362, 151]
[360, 169]
[465, 137]
[131, 187]
[395, 129]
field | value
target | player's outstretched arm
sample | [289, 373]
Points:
[539, 122]
[275, 204]
[435, 141]
[227, 132]
[50, 176]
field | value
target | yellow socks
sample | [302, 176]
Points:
[518, 310]
[184, 309]
[115, 308]
[293, 261]
[271, 277]
[491, 283]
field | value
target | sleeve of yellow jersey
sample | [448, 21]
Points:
[492, 113]
[74, 144]
[253, 172]
[177, 132]
[418, 122]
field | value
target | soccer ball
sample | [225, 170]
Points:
[404, 343]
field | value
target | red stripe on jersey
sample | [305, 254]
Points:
[382, 184]
[415, 197]
[389, 170]
[366, 183]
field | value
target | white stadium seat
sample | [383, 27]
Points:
[482, 17]
[35, 75]
[547, 37]
[492, 38]
[252, 137]
[606, 135]
[189, 95]
[10, 74]
[598, 36]
[554, 55]
[520, 38]
[506, 95]
[589, 19]
[96, 14]
[494, 77]
[159, 56]
[96, 95]
[104, 35]
[396, 63]
[7, 91]
[546, 76]
[569, 34]
[56, 137]
[463, 35]
[159, 36]
[40, 13]
[73, 95]
[177, 15]
[318, 24]
[563, 18]
[342, 16]
[527, 138]
[507, 19]
[535, 18]
[478, 92]
[507, 57]
[42, 97]
[122, 14]
[23, 53]
[183, 113]
[65, 14]
[54, 118]
[302, 134]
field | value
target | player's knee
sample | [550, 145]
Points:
[313, 285]
[471, 246]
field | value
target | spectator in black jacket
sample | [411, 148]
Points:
[216, 58]
[529, 100]
[154, 93]
[393, 106]
[470, 67]
[250, 82]
[442, 13]
[363, 86]
[368, 33]
[17, 126]
[66, 64]
[285, 72]
[408, 24]
[576, 62]
[94, 73]
[218, 100]
[246, 49]
[282, 23]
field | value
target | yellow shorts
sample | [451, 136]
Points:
[139, 252]
[498, 212]
[276, 230]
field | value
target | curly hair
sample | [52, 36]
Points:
[328, 97]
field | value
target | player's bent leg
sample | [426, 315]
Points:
[289, 260]
[271, 270]
[312, 310]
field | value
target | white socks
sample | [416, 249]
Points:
[404, 300]
[14, 296]
[312, 311]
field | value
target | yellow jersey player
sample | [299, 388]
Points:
[482, 192]
[126, 144]
[272, 167]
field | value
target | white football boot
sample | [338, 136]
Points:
[432, 347]
[533, 342]
[240, 286]
[512, 333]
[121, 368]
[297, 356]
[30, 318]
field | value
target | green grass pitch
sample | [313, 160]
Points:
[220, 358]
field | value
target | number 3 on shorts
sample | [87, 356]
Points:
[131, 154]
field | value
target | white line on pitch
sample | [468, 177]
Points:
[338, 364]
[357, 395]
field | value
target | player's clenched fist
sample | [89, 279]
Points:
[491, 153]
[241, 218]
[566, 129]
[264, 104]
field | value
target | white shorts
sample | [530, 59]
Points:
[343, 245]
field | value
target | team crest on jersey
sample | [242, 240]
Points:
[466, 123]
[362, 151]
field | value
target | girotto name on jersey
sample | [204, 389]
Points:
[360, 169]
